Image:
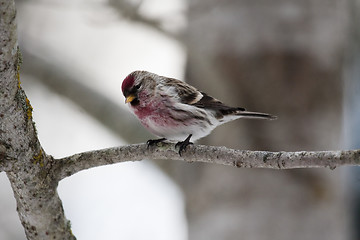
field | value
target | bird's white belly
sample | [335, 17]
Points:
[176, 132]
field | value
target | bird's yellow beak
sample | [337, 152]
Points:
[130, 98]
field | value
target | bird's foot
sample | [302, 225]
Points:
[153, 142]
[182, 145]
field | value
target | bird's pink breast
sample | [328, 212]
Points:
[155, 114]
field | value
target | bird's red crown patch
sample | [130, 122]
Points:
[128, 82]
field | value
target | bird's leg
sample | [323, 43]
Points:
[182, 145]
[152, 142]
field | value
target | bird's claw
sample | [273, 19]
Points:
[152, 142]
[183, 144]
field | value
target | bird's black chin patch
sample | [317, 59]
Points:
[135, 102]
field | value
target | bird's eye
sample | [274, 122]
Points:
[137, 86]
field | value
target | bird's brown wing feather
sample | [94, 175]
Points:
[191, 96]
[220, 109]
[187, 93]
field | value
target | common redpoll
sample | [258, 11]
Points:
[175, 110]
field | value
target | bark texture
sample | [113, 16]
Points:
[27, 166]
[206, 154]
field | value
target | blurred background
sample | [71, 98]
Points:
[299, 60]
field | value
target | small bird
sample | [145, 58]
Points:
[174, 110]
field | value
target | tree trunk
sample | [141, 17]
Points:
[27, 166]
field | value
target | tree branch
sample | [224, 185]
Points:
[131, 11]
[209, 154]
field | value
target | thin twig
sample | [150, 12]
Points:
[131, 11]
[208, 154]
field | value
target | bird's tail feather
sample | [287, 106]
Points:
[256, 115]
